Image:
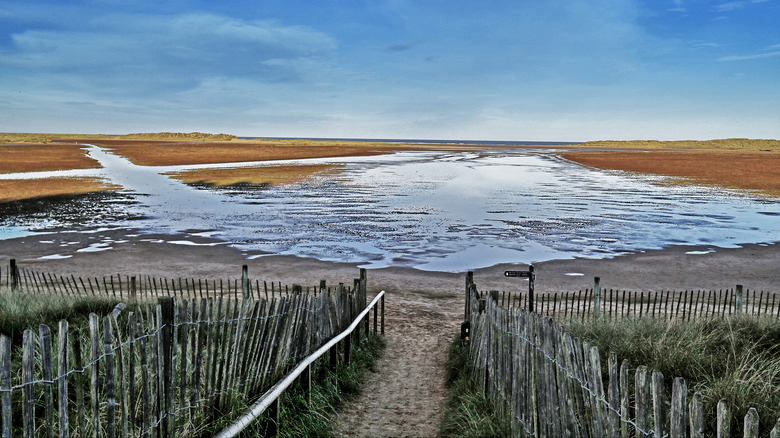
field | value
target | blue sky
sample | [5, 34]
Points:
[558, 70]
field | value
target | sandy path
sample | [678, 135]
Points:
[406, 396]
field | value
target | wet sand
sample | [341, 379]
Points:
[756, 266]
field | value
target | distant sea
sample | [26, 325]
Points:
[420, 141]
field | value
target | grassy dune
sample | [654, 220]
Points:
[148, 153]
[266, 175]
[6, 137]
[18, 189]
[746, 170]
[43, 157]
[731, 144]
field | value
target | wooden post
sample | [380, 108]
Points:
[63, 368]
[677, 415]
[739, 299]
[166, 335]
[132, 289]
[531, 279]
[347, 347]
[751, 424]
[696, 416]
[376, 309]
[659, 404]
[383, 315]
[5, 384]
[469, 282]
[14, 274]
[28, 368]
[245, 281]
[723, 425]
[597, 296]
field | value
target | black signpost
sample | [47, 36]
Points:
[529, 274]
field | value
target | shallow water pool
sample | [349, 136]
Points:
[434, 210]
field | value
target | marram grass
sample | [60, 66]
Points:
[468, 413]
[737, 359]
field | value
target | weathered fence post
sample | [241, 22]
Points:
[14, 274]
[245, 281]
[723, 426]
[132, 288]
[531, 280]
[166, 332]
[383, 315]
[597, 296]
[738, 300]
[469, 282]
[751, 424]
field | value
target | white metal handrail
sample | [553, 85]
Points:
[272, 394]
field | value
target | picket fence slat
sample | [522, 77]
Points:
[548, 384]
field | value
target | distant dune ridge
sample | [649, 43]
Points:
[741, 144]
[740, 163]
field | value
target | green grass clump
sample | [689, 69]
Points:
[469, 413]
[299, 416]
[20, 311]
[734, 358]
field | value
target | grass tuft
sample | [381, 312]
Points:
[19, 312]
[330, 390]
[469, 413]
[734, 358]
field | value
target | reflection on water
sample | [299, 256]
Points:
[438, 210]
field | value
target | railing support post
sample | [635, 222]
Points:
[347, 348]
[383, 315]
[375, 319]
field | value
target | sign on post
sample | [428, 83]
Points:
[529, 274]
[521, 274]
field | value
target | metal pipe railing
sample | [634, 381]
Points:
[272, 394]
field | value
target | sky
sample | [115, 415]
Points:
[515, 70]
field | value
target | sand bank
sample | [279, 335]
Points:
[190, 255]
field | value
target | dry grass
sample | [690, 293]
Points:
[43, 157]
[266, 175]
[748, 170]
[734, 144]
[148, 153]
[18, 189]
[15, 138]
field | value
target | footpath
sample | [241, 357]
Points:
[406, 396]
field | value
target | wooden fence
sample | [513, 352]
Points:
[678, 305]
[145, 287]
[164, 369]
[549, 384]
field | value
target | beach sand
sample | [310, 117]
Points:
[756, 266]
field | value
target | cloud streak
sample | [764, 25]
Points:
[141, 53]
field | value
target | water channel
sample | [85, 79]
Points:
[434, 210]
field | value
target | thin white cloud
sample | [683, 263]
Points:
[748, 57]
[730, 6]
[767, 52]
